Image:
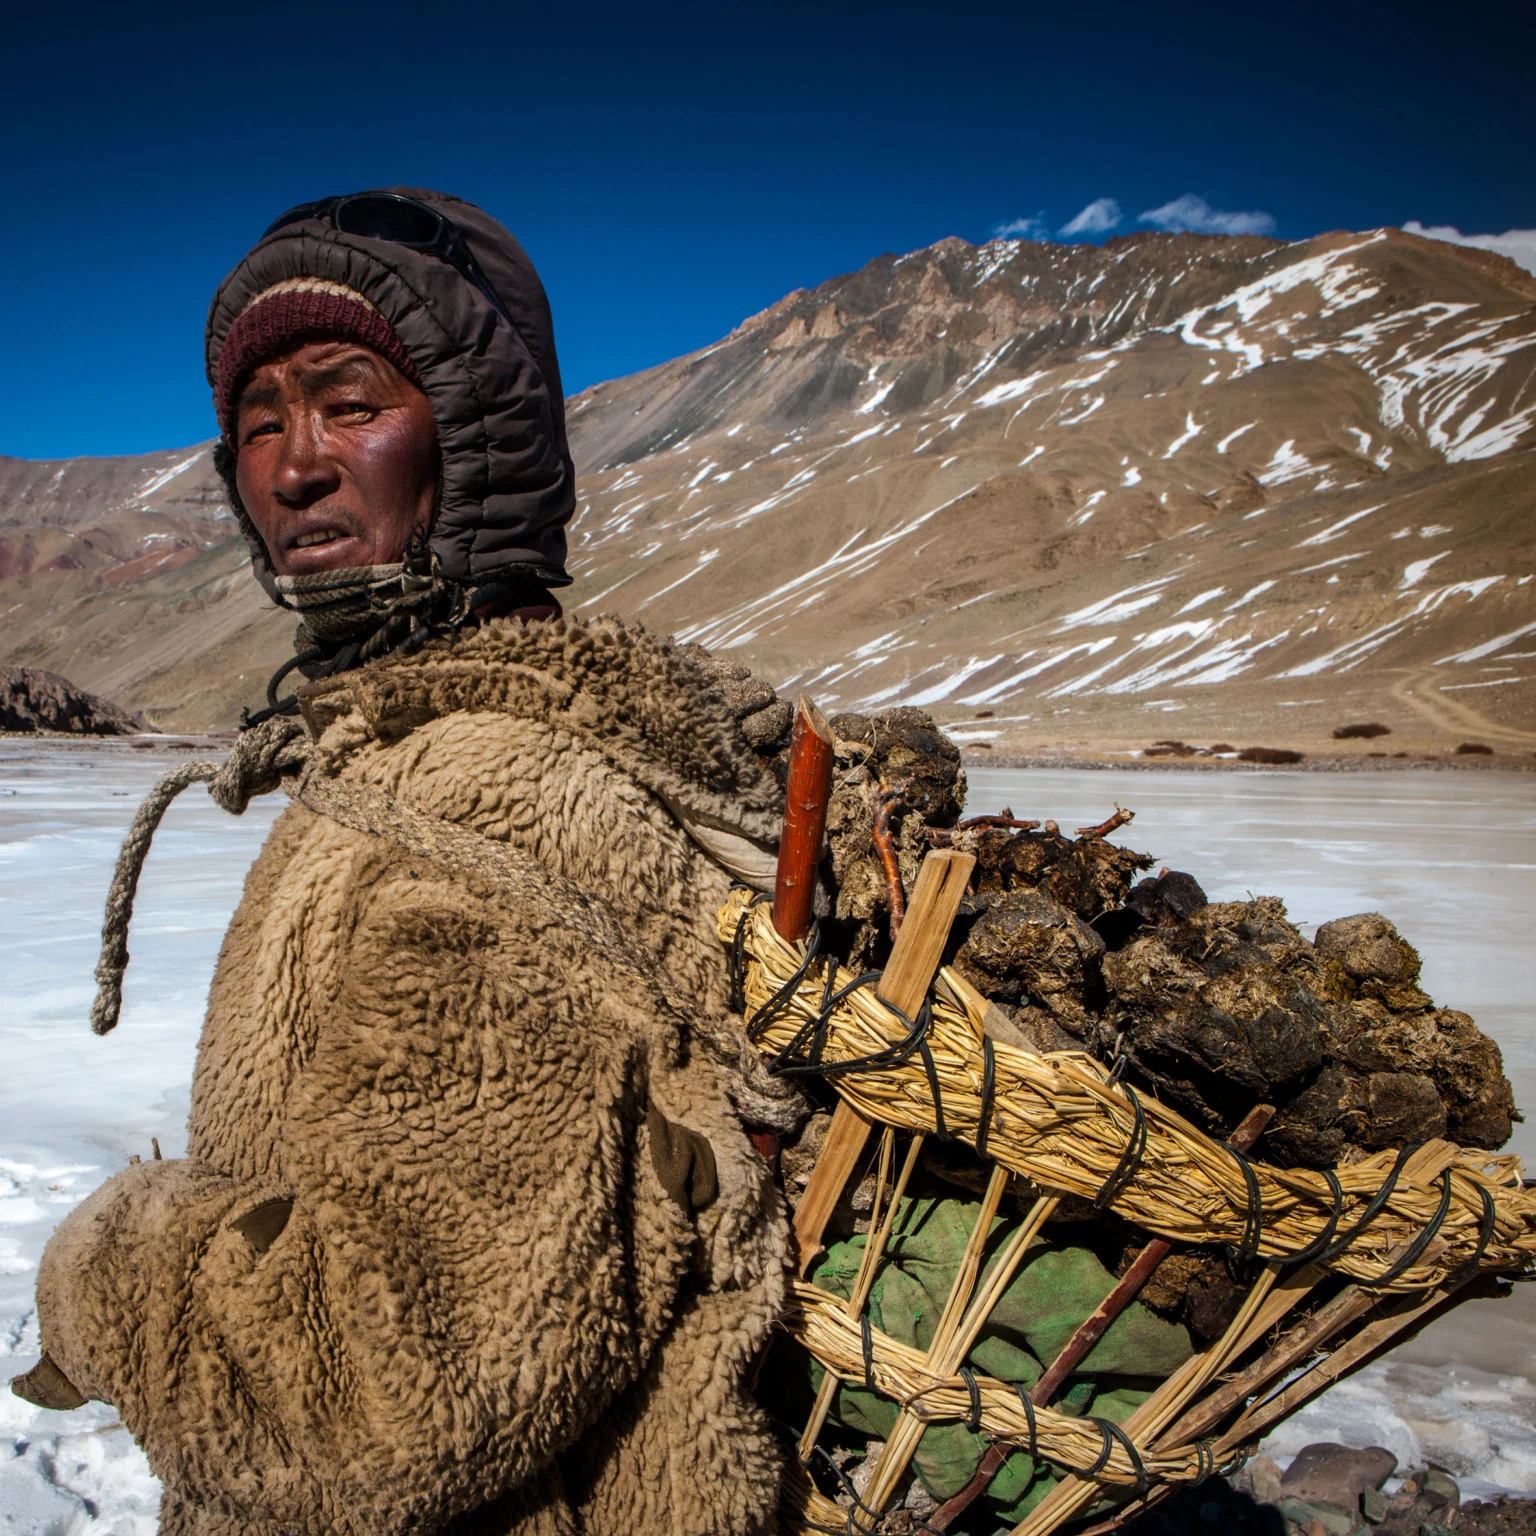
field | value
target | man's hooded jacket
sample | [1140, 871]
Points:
[469, 1236]
[508, 485]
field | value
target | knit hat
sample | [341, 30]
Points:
[296, 310]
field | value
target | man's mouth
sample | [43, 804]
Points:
[320, 536]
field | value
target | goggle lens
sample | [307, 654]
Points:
[388, 218]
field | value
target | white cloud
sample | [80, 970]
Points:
[1020, 229]
[1100, 216]
[1196, 215]
[1518, 244]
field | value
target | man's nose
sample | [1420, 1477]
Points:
[304, 471]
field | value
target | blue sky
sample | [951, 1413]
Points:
[673, 168]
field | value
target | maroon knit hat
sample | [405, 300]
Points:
[287, 313]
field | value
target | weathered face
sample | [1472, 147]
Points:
[337, 458]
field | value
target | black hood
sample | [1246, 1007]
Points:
[508, 482]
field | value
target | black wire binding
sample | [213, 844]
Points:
[1102, 1459]
[736, 964]
[940, 1129]
[1253, 1217]
[783, 997]
[781, 1065]
[1138, 1467]
[1205, 1461]
[1373, 1210]
[867, 1345]
[973, 1418]
[988, 1083]
[824, 1017]
[1319, 1244]
[876, 1061]
[1029, 1416]
[1464, 1272]
[1130, 1159]
[1411, 1254]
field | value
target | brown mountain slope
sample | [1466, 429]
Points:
[1173, 486]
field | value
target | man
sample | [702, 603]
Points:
[469, 1236]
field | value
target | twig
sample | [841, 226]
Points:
[886, 802]
[1104, 828]
[990, 823]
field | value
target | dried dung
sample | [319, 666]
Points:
[1270, 755]
[1216, 1007]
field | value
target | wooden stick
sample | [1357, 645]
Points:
[1073, 1493]
[915, 957]
[936, 897]
[1310, 1334]
[1094, 1327]
[805, 821]
[886, 801]
[840, 1154]
[902, 1441]
[1346, 1358]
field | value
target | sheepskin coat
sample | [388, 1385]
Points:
[420, 1270]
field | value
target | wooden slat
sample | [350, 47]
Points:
[915, 957]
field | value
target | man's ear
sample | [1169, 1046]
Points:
[225, 461]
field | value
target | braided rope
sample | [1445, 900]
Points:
[257, 764]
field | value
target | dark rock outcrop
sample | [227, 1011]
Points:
[33, 700]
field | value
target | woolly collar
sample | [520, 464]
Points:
[647, 707]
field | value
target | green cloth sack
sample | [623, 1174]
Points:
[1055, 1289]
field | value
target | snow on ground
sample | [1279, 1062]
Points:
[73, 1107]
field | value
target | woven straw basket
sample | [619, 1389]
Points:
[1347, 1261]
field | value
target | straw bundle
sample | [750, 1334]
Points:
[820, 1321]
[1417, 1217]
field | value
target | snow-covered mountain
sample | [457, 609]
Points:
[1175, 485]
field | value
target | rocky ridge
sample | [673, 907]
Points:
[1214, 488]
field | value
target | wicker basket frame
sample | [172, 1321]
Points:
[1410, 1232]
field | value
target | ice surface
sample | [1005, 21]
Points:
[73, 1107]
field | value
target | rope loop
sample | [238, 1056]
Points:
[1410, 1255]
[1130, 1159]
[1374, 1209]
[1253, 1215]
[1319, 1244]
[973, 1391]
[1028, 1404]
[988, 1086]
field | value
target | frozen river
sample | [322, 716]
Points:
[1450, 857]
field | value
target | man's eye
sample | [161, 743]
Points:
[261, 429]
[353, 408]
